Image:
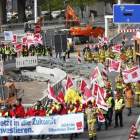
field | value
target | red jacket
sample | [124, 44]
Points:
[63, 111]
[21, 109]
[15, 113]
[42, 112]
[31, 113]
[78, 108]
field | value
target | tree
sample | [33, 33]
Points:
[82, 4]
[51, 5]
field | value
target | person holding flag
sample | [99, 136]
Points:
[92, 113]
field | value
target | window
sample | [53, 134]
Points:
[12, 91]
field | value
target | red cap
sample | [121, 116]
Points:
[108, 85]
[108, 93]
[77, 100]
[118, 95]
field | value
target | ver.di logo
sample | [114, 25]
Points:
[7, 34]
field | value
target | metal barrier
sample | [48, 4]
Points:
[138, 124]
[26, 61]
[57, 73]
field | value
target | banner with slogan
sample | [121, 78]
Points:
[47, 125]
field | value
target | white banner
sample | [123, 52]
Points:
[131, 75]
[8, 35]
[48, 125]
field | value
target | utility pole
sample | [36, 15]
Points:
[119, 25]
[35, 10]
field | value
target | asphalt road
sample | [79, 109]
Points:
[120, 133]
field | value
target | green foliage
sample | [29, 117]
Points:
[51, 4]
[81, 3]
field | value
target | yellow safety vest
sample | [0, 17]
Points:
[7, 51]
[49, 112]
[73, 111]
[68, 46]
[6, 114]
[63, 53]
[118, 104]
[103, 111]
[109, 104]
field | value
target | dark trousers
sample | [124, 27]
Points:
[109, 115]
[120, 117]
[71, 135]
[68, 54]
[16, 138]
[129, 111]
[64, 58]
[3, 56]
[106, 123]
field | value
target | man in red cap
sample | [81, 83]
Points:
[119, 106]
[110, 104]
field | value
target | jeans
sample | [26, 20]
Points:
[59, 55]
[120, 117]
[109, 115]
[129, 111]
[106, 123]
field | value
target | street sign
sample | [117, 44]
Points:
[37, 29]
[126, 13]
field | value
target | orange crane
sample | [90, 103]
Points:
[81, 32]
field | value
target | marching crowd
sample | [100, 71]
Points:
[124, 96]
[9, 50]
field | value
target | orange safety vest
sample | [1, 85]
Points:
[128, 94]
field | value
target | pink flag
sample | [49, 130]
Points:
[15, 39]
[114, 66]
[116, 48]
[87, 96]
[18, 47]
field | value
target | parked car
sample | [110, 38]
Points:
[56, 14]
[12, 19]
[46, 16]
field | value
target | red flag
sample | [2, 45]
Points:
[69, 83]
[100, 101]
[60, 98]
[83, 86]
[87, 96]
[100, 116]
[95, 75]
[23, 40]
[18, 47]
[134, 36]
[15, 39]
[51, 94]
[37, 36]
[105, 39]
[114, 66]
[95, 91]
[36, 40]
[116, 48]
[29, 41]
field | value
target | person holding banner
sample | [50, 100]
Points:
[4, 113]
[72, 109]
[91, 113]
[15, 113]
[119, 106]
[31, 112]
[129, 101]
